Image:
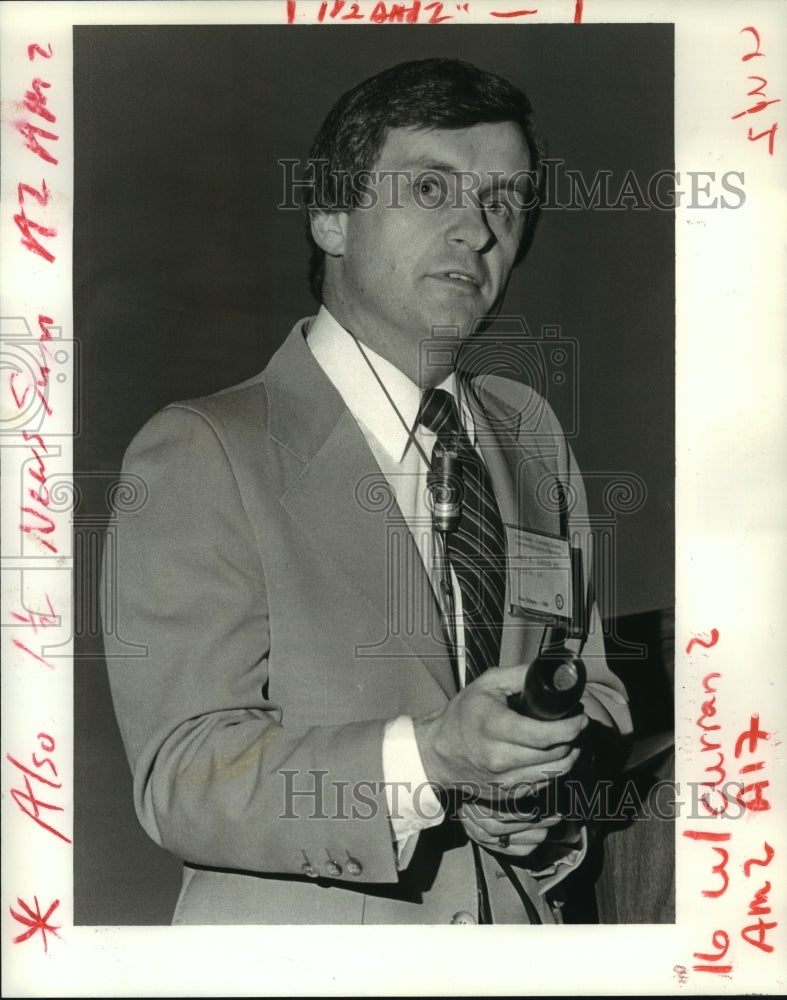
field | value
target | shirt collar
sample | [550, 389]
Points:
[373, 389]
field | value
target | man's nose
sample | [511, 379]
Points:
[468, 225]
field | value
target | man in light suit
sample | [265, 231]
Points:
[305, 731]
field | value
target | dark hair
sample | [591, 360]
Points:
[428, 93]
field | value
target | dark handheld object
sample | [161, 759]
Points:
[553, 686]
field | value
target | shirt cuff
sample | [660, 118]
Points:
[412, 804]
[553, 874]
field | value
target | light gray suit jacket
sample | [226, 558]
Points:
[286, 618]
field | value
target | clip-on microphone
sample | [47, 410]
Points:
[444, 481]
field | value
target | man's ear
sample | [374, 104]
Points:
[329, 230]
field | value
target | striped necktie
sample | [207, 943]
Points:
[476, 549]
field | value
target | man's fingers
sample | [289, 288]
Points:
[538, 776]
[497, 722]
[520, 730]
[500, 825]
[505, 680]
[516, 849]
[515, 843]
[515, 766]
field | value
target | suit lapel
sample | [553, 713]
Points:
[344, 504]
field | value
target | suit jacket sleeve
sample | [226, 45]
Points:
[217, 779]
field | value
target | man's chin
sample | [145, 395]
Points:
[458, 323]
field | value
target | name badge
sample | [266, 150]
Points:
[539, 575]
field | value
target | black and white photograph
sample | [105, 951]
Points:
[380, 555]
[282, 619]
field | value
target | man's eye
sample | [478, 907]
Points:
[428, 186]
[498, 208]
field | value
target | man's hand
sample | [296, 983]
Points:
[487, 825]
[478, 743]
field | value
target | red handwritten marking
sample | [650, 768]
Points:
[36, 620]
[35, 921]
[437, 16]
[46, 524]
[38, 385]
[769, 853]
[42, 377]
[42, 196]
[721, 941]
[761, 928]
[721, 867]
[398, 14]
[706, 682]
[403, 13]
[770, 132]
[36, 656]
[706, 745]
[43, 523]
[381, 13]
[759, 92]
[757, 803]
[34, 50]
[38, 475]
[30, 135]
[354, 13]
[718, 767]
[755, 934]
[761, 105]
[45, 527]
[759, 906]
[717, 784]
[41, 494]
[26, 798]
[759, 903]
[26, 225]
[709, 706]
[579, 7]
[511, 13]
[750, 739]
[35, 99]
[714, 638]
[706, 835]
[708, 712]
[751, 55]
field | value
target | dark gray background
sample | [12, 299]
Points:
[187, 278]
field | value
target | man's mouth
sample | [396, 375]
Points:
[462, 276]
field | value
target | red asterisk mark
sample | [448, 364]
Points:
[34, 921]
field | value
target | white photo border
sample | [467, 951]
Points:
[730, 315]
